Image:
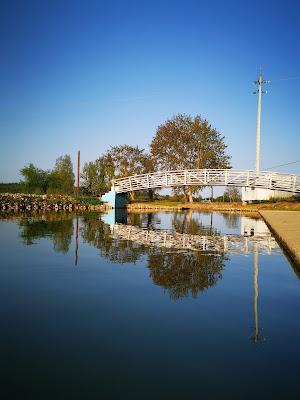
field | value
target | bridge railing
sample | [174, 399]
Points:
[209, 177]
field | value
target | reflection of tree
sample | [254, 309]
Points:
[98, 235]
[231, 220]
[59, 229]
[184, 274]
[186, 223]
[181, 273]
[144, 220]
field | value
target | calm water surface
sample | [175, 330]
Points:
[146, 306]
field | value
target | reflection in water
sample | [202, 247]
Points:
[232, 220]
[183, 255]
[76, 241]
[57, 227]
[256, 336]
[185, 223]
[146, 313]
[205, 243]
[98, 234]
[180, 273]
[184, 274]
[185, 260]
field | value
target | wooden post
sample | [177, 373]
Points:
[78, 172]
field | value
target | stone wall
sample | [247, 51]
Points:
[33, 202]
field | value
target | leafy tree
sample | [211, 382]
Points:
[36, 180]
[62, 177]
[184, 142]
[97, 175]
[117, 162]
[59, 180]
[232, 194]
[128, 160]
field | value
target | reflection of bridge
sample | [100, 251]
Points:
[209, 177]
[173, 240]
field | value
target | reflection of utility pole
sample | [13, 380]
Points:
[256, 337]
[255, 257]
[76, 241]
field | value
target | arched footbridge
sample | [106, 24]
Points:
[205, 177]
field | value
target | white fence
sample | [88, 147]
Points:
[209, 177]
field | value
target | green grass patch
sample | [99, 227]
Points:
[88, 200]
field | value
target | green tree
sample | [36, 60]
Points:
[184, 142]
[36, 180]
[129, 160]
[97, 175]
[125, 160]
[232, 194]
[62, 179]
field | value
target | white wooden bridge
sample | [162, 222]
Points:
[209, 177]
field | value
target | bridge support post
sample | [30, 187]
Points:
[114, 199]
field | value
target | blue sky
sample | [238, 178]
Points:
[90, 74]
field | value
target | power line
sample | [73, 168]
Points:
[282, 165]
[286, 79]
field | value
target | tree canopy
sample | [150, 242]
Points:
[97, 175]
[36, 180]
[129, 160]
[62, 177]
[59, 180]
[117, 162]
[184, 142]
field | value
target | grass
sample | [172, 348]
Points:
[87, 200]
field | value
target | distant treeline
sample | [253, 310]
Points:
[15, 187]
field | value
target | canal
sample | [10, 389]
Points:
[165, 305]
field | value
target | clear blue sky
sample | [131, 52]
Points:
[90, 74]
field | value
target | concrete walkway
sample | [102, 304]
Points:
[286, 227]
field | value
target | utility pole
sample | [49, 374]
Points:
[78, 172]
[259, 91]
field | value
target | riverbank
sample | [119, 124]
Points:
[285, 225]
[214, 206]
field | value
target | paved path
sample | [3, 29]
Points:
[286, 226]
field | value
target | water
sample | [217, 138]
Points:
[166, 306]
